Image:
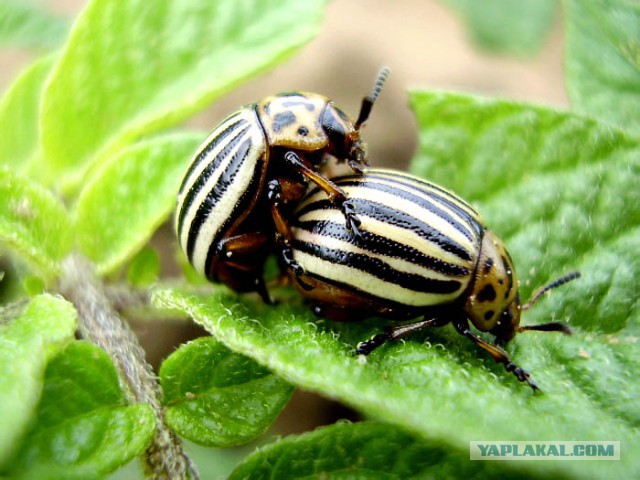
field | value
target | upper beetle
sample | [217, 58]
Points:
[233, 197]
[421, 251]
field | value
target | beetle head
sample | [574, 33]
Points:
[344, 140]
[344, 135]
[494, 302]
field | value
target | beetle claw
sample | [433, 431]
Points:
[368, 346]
[295, 267]
[358, 165]
[350, 216]
[521, 375]
[298, 271]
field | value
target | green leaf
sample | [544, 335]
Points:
[19, 114]
[33, 285]
[130, 196]
[23, 23]
[218, 398]
[79, 380]
[602, 60]
[26, 344]
[33, 222]
[512, 27]
[154, 65]
[584, 177]
[362, 450]
[563, 192]
[443, 390]
[144, 268]
[84, 428]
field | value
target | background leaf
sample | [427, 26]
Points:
[19, 114]
[361, 450]
[602, 61]
[84, 428]
[562, 191]
[33, 222]
[122, 88]
[23, 23]
[584, 178]
[26, 344]
[218, 398]
[515, 28]
[130, 196]
[144, 268]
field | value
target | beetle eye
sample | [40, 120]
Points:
[505, 320]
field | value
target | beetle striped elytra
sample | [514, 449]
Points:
[258, 160]
[422, 252]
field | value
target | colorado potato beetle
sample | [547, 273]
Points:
[422, 252]
[258, 160]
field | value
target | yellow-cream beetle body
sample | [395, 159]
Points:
[422, 251]
[232, 200]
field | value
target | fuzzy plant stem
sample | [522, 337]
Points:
[165, 458]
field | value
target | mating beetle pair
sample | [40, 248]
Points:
[375, 243]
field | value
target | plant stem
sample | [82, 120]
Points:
[101, 324]
[12, 310]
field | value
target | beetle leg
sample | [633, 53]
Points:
[336, 194]
[498, 354]
[274, 190]
[397, 332]
[358, 163]
[287, 257]
[261, 289]
[241, 245]
[236, 256]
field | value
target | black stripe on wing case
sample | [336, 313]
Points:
[381, 245]
[379, 269]
[398, 218]
[215, 194]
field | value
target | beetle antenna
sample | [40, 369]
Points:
[367, 102]
[549, 286]
[550, 326]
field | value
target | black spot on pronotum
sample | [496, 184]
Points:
[488, 314]
[487, 294]
[282, 120]
[303, 131]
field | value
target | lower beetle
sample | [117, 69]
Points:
[258, 160]
[422, 252]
